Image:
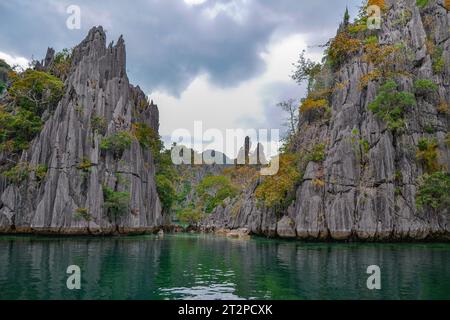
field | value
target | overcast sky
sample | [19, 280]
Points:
[225, 62]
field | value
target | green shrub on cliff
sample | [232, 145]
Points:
[390, 105]
[277, 190]
[117, 143]
[213, 190]
[434, 191]
[422, 3]
[189, 216]
[317, 154]
[35, 91]
[424, 87]
[21, 172]
[306, 70]
[148, 138]
[30, 94]
[82, 214]
[17, 128]
[427, 154]
[116, 203]
[18, 173]
[342, 47]
[99, 125]
[166, 191]
[61, 64]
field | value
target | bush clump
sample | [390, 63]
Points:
[213, 190]
[427, 154]
[61, 64]
[166, 191]
[84, 165]
[116, 203]
[22, 171]
[342, 48]
[18, 173]
[31, 93]
[147, 137]
[317, 154]
[117, 143]
[17, 128]
[278, 190]
[99, 125]
[35, 90]
[189, 216]
[313, 109]
[434, 191]
[424, 87]
[82, 214]
[422, 3]
[390, 105]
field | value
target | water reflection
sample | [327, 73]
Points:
[208, 267]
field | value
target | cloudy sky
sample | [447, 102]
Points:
[224, 62]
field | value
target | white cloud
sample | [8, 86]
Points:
[237, 10]
[194, 2]
[14, 61]
[226, 108]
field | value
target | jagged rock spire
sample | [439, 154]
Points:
[98, 102]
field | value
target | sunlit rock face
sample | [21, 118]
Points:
[98, 102]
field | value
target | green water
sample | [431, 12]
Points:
[209, 267]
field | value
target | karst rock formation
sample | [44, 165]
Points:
[368, 195]
[78, 170]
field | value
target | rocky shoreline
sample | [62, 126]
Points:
[239, 234]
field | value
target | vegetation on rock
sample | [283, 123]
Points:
[166, 191]
[147, 137]
[434, 191]
[190, 216]
[22, 171]
[30, 94]
[99, 125]
[35, 91]
[427, 154]
[117, 143]
[277, 191]
[213, 191]
[342, 48]
[61, 64]
[116, 203]
[424, 87]
[306, 70]
[390, 105]
[82, 214]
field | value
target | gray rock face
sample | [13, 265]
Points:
[368, 196]
[243, 213]
[285, 228]
[97, 91]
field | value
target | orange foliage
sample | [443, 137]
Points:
[371, 76]
[310, 104]
[342, 47]
[443, 107]
[320, 94]
[379, 3]
[378, 54]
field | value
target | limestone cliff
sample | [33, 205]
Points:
[88, 187]
[368, 190]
